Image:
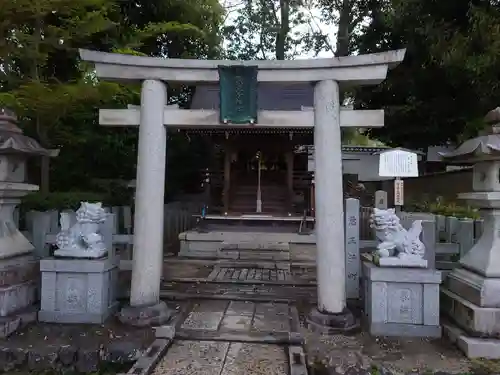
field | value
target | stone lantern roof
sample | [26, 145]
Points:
[486, 146]
[12, 139]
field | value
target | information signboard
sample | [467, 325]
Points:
[398, 163]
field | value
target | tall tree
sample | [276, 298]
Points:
[265, 30]
[42, 79]
[345, 17]
[35, 34]
[449, 76]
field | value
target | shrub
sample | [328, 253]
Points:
[440, 207]
[59, 200]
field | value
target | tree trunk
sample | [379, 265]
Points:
[283, 29]
[40, 129]
[45, 175]
[345, 20]
[342, 49]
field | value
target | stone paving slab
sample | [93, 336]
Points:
[209, 321]
[205, 316]
[236, 323]
[255, 359]
[222, 358]
[238, 317]
[193, 358]
[241, 308]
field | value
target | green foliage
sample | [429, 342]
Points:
[72, 199]
[115, 193]
[59, 200]
[449, 77]
[441, 207]
[56, 96]
[267, 30]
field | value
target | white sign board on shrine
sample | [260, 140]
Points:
[398, 163]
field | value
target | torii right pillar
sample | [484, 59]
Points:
[331, 314]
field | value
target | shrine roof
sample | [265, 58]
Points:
[271, 96]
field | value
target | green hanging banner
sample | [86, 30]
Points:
[238, 94]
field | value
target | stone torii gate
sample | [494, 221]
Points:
[326, 117]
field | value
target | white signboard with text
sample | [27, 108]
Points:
[399, 193]
[398, 163]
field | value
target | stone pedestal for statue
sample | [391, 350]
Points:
[470, 296]
[401, 301]
[78, 290]
[18, 267]
[401, 295]
[79, 282]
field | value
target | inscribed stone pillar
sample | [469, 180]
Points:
[331, 311]
[149, 202]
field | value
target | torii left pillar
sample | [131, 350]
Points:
[145, 305]
[331, 315]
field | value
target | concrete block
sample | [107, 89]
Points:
[165, 332]
[18, 290]
[16, 297]
[78, 290]
[401, 301]
[303, 252]
[213, 244]
[481, 291]
[472, 347]
[18, 270]
[475, 320]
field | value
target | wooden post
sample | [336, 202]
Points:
[227, 178]
[313, 198]
[289, 178]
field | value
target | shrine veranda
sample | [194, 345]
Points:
[260, 114]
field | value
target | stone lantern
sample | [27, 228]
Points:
[471, 293]
[18, 266]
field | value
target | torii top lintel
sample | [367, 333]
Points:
[368, 69]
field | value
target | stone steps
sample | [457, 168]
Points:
[264, 251]
[260, 291]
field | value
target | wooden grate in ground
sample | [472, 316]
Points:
[248, 274]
